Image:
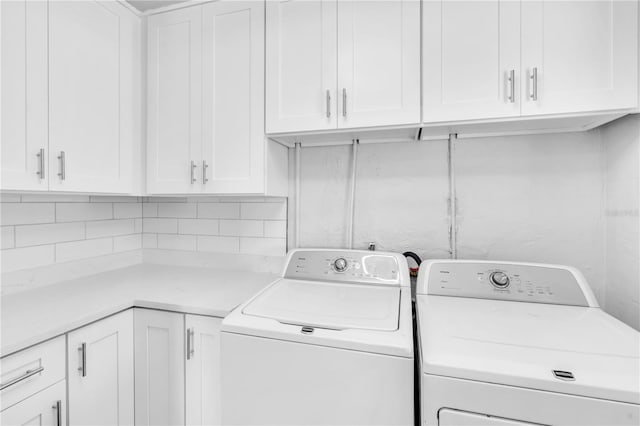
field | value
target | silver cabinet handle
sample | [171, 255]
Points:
[40, 171]
[22, 377]
[193, 172]
[534, 83]
[190, 350]
[328, 104]
[344, 102]
[63, 167]
[82, 354]
[205, 166]
[512, 86]
[58, 407]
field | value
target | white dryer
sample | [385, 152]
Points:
[504, 343]
[329, 343]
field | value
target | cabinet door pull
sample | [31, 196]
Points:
[40, 172]
[328, 104]
[512, 86]
[63, 167]
[82, 353]
[193, 172]
[205, 179]
[190, 349]
[22, 377]
[58, 407]
[344, 102]
[534, 84]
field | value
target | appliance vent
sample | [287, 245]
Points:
[563, 375]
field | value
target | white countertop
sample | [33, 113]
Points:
[32, 316]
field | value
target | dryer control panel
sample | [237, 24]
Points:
[356, 266]
[522, 282]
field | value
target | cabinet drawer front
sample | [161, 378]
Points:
[31, 370]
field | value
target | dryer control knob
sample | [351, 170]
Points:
[500, 279]
[340, 264]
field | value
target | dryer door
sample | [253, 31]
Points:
[448, 417]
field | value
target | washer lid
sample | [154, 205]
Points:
[335, 306]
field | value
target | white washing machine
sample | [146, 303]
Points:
[505, 343]
[329, 343]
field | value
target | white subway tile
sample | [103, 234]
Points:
[263, 246]
[275, 228]
[54, 198]
[149, 209]
[167, 199]
[75, 212]
[177, 242]
[27, 257]
[219, 244]
[9, 198]
[177, 210]
[113, 199]
[110, 228]
[160, 225]
[23, 214]
[265, 211]
[137, 226]
[149, 241]
[242, 228]
[198, 226]
[83, 249]
[35, 235]
[219, 210]
[7, 238]
[127, 243]
[127, 210]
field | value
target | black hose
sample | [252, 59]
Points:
[413, 256]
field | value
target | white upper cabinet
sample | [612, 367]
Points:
[342, 64]
[579, 56]
[93, 54]
[174, 97]
[378, 63]
[471, 64]
[24, 137]
[233, 142]
[100, 372]
[301, 79]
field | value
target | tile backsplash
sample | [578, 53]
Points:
[40, 230]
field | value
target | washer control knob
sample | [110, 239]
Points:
[340, 264]
[500, 279]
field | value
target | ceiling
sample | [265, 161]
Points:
[144, 5]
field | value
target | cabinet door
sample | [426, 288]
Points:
[233, 104]
[471, 61]
[46, 408]
[159, 367]
[174, 101]
[203, 370]
[91, 95]
[584, 54]
[301, 65]
[378, 62]
[100, 366]
[24, 94]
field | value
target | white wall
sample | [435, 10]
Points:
[534, 198]
[621, 142]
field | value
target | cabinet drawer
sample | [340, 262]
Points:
[29, 371]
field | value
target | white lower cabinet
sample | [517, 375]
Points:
[46, 408]
[203, 370]
[100, 372]
[176, 368]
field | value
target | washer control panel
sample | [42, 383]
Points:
[505, 281]
[347, 266]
